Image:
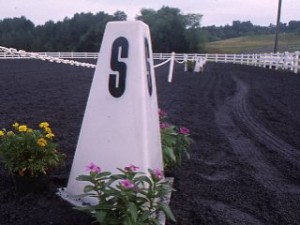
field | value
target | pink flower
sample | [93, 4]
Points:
[184, 130]
[93, 168]
[126, 184]
[162, 113]
[131, 168]
[164, 125]
[158, 174]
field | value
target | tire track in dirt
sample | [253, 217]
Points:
[246, 149]
[218, 167]
[264, 135]
[270, 109]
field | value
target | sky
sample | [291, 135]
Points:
[215, 12]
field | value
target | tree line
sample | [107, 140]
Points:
[171, 30]
[238, 28]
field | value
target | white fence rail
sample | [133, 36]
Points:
[62, 55]
[286, 61]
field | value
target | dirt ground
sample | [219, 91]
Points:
[245, 122]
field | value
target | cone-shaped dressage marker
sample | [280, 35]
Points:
[121, 124]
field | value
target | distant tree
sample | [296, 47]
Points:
[194, 35]
[241, 28]
[120, 16]
[293, 26]
[168, 28]
[16, 32]
[171, 30]
[44, 35]
[193, 20]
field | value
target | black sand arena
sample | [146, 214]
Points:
[245, 121]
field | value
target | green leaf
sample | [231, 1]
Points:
[103, 174]
[100, 215]
[88, 188]
[118, 176]
[104, 206]
[154, 221]
[133, 211]
[84, 178]
[145, 179]
[127, 221]
[167, 210]
[84, 208]
[145, 216]
[187, 155]
[170, 153]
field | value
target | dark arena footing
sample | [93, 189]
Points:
[245, 122]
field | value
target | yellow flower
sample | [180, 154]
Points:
[15, 125]
[10, 133]
[1, 133]
[42, 142]
[44, 125]
[48, 130]
[22, 128]
[29, 130]
[50, 135]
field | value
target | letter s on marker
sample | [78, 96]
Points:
[117, 81]
[148, 66]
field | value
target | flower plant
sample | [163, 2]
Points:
[128, 197]
[190, 65]
[29, 152]
[175, 142]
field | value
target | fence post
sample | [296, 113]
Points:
[277, 60]
[185, 62]
[296, 62]
[271, 60]
[260, 60]
[264, 60]
[171, 69]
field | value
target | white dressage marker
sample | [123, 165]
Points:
[199, 64]
[121, 124]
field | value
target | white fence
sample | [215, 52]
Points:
[62, 55]
[286, 61]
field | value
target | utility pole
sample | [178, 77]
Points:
[277, 26]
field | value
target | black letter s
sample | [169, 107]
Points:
[117, 81]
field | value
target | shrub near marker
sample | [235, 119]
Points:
[29, 155]
[128, 197]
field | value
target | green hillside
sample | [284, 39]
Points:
[255, 44]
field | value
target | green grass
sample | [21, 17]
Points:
[255, 44]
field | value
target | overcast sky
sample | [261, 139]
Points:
[215, 12]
